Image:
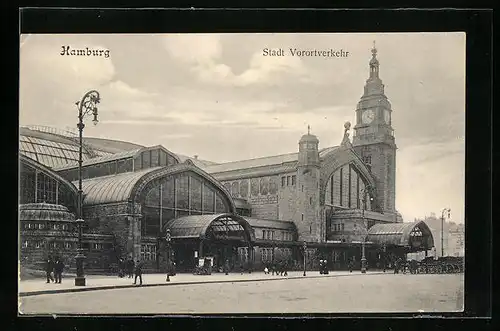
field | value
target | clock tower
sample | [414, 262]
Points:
[374, 139]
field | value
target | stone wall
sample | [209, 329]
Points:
[39, 249]
[122, 220]
[287, 200]
[262, 193]
[308, 217]
[354, 226]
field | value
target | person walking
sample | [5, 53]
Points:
[49, 269]
[130, 267]
[121, 268]
[396, 266]
[58, 270]
[138, 272]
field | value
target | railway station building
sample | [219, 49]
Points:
[252, 213]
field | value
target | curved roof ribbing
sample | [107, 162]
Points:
[196, 226]
[50, 152]
[126, 186]
[117, 156]
[102, 159]
[398, 233]
[114, 188]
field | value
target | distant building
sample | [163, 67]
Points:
[453, 237]
[456, 240]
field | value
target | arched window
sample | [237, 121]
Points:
[180, 195]
[345, 185]
[37, 185]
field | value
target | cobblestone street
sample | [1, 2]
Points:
[353, 293]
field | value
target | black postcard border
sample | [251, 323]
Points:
[476, 23]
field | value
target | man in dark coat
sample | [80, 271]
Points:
[138, 272]
[58, 270]
[49, 268]
[130, 267]
[350, 265]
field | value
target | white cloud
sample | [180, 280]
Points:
[433, 176]
[193, 48]
[203, 53]
[265, 69]
[123, 88]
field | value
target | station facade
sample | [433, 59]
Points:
[249, 213]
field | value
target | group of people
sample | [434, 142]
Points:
[405, 266]
[280, 269]
[54, 267]
[130, 269]
[126, 268]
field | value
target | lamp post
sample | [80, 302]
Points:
[87, 106]
[442, 227]
[384, 261]
[363, 257]
[304, 245]
[168, 239]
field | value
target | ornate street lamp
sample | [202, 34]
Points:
[168, 239]
[448, 210]
[363, 242]
[87, 106]
[304, 246]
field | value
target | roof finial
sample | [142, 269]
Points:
[346, 142]
[308, 129]
[374, 49]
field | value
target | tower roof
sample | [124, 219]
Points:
[309, 137]
[374, 64]
[374, 60]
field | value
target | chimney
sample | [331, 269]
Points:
[196, 157]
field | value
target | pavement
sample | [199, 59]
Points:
[99, 282]
[338, 292]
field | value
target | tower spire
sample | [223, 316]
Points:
[374, 63]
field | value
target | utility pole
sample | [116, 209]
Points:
[442, 228]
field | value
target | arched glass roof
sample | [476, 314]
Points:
[114, 188]
[196, 226]
[50, 153]
[398, 233]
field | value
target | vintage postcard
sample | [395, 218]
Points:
[241, 173]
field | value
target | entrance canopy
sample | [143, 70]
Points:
[211, 226]
[416, 235]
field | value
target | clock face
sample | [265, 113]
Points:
[387, 117]
[368, 116]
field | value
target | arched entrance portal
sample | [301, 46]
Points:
[215, 235]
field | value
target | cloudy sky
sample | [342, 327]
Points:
[218, 97]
